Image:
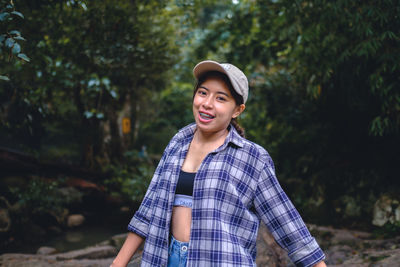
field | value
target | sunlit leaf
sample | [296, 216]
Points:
[88, 114]
[24, 57]
[113, 94]
[100, 115]
[19, 38]
[4, 78]
[4, 15]
[19, 14]
[16, 48]
[10, 42]
[15, 32]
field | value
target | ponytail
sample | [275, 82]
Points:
[238, 128]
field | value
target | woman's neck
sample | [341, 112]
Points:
[201, 137]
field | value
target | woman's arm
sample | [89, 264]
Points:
[284, 222]
[131, 244]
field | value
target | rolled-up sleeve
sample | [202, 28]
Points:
[140, 221]
[283, 220]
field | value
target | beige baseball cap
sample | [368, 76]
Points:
[235, 75]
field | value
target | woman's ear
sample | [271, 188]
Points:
[239, 110]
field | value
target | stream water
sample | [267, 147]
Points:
[94, 231]
[81, 237]
[72, 239]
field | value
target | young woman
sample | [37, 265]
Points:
[212, 187]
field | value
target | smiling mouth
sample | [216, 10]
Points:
[206, 116]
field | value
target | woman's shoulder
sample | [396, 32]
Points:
[256, 151]
[182, 135]
[185, 132]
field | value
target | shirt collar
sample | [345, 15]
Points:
[232, 137]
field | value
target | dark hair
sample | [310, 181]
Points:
[238, 98]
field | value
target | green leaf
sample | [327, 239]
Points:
[4, 15]
[19, 38]
[16, 48]
[24, 57]
[15, 32]
[10, 42]
[18, 14]
[4, 78]
[88, 114]
[100, 115]
[113, 94]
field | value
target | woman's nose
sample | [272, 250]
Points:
[207, 102]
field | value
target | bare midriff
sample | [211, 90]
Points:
[181, 223]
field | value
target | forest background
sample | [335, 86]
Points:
[95, 90]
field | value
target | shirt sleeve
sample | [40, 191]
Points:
[283, 220]
[140, 221]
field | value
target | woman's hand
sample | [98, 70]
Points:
[129, 248]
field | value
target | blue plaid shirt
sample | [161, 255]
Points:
[234, 188]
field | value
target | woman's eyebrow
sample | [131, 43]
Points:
[223, 93]
[219, 92]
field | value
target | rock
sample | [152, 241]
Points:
[124, 209]
[71, 194]
[338, 254]
[100, 252]
[328, 236]
[46, 251]
[269, 253]
[12, 260]
[5, 219]
[386, 209]
[118, 240]
[105, 243]
[75, 220]
[135, 261]
[342, 247]
[386, 258]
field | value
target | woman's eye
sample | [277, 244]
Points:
[220, 98]
[201, 92]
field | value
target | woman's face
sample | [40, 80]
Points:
[214, 106]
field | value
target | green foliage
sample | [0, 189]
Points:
[39, 196]
[131, 178]
[324, 78]
[323, 97]
[324, 46]
[9, 38]
[174, 111]
[389, 230]
[91, 59]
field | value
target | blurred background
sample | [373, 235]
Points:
[92, 91]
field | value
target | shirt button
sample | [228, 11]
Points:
[184, 248]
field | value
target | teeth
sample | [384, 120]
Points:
[206, 116]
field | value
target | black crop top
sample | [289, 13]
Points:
[185, 183]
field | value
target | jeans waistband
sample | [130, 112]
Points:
[178, 246]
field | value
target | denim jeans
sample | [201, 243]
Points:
[177, 254]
